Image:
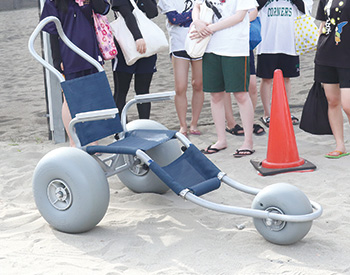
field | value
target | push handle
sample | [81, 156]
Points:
[65, 39]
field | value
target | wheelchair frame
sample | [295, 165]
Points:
[271, 218]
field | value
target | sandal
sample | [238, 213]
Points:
[237, 130]
[243, 152]
[258, 130]
[213, 150]
[195, 132]
[336, 154]
[266, 121]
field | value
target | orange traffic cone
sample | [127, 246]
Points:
[282, 152]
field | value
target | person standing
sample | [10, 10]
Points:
[332, 66]
[179, 19]
[277, 48]
[143, 68]
[226, 67]
[77, 24]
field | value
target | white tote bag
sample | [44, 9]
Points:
[154, 37]
[192, 47]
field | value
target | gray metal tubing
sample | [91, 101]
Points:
[144, 99]
[239, 186]
[65, 39]
[253, 212]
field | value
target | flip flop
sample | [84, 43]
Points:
[195, 132]
[295, 120]
[258, 130]
[243, 152]
[235, 130]
[266, 121]
[337, 154]
[214, 150]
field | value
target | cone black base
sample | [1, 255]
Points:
[307, 166]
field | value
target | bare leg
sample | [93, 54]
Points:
[198, 95]
[181, 68]
[66, 118]
[345, 98]
[230, 120]
[253, 90]
[265, 94]
[218, 113]
[247, 116]
[335, 114]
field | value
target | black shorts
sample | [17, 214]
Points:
[184, 55]
[332, 75]
[268, 63]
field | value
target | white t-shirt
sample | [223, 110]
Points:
[177, 34]
[232, 41]
[277, 27]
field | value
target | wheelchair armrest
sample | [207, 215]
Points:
[145, 99]
[97, 115]
[89, 116]
[154, 97]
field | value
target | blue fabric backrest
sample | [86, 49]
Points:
[91, 93]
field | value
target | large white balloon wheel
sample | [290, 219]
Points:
[138, 177]
[284, 199]
[59, 195]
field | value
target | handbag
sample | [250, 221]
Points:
[154, 37]
[255, 33]
[103, 32]
[104, 36]
[194, 48]
[314, 118]
[306, 34]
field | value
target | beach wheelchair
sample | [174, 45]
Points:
[70, 185]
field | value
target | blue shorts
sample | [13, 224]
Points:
[80, 73]
[252, 63]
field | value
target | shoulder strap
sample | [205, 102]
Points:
[211, 6]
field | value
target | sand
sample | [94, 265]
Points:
[150, 233]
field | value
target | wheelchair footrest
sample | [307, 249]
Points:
[192, 170]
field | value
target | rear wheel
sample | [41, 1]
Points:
[70, 189]
[138, 177]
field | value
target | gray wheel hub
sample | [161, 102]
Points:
[274, 225]
[59, 195]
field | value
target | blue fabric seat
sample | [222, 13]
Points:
[134, 140]
[91, 93]
[192, 170]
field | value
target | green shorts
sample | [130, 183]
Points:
[225, 73]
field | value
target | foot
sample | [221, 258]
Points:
[237, 130]
[258, 130]
[211, 150]
[295, 120]
[183, 131]
[195, 132]
[336, 154]
[243, 152]
[266, 121]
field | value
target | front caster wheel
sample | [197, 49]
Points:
[282, 198]
[70, 189]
